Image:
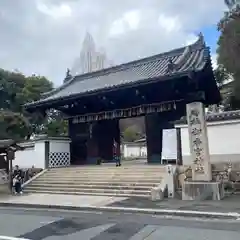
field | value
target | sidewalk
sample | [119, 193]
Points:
[228, 208]
[228, 204]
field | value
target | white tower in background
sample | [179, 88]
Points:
[87, 54]
[89, 59]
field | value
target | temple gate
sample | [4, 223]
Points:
[158, 88]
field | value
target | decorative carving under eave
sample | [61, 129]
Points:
[171, 66]
[68, 76]
[201, 40]
[126, 113]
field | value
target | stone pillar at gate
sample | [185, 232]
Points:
[199, 148]
[154, 135]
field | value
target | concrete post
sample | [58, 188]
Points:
[170, 179]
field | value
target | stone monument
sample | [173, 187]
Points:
[201, 186]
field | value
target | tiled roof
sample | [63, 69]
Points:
[161, 67]
[213, 117]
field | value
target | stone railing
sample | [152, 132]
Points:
[167, 186]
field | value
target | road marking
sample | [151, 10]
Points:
[145, 232]
[48, 222]
[51, 210]
[12, 238]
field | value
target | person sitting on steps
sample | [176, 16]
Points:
[116, 156]
[17, 184]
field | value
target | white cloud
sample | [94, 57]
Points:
[191, 38]
[61, 11]
[129, 21]
[44, 36]
[132, 18]
[169, 24]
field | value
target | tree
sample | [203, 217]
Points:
[229, 49]
[231, 3]
[55, 124]
[34, 87]
[221, 75]
[16, 90]
[11, 85]
[13, 125]
[130, 134]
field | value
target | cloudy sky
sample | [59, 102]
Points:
[45, 36]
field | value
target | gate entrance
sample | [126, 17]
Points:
[156, 88]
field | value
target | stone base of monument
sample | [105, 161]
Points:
[202, 190]
[4, 189]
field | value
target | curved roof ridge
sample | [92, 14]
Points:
[199, 44]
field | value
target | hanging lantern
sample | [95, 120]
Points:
[90, 130]
[174, 105]
[105, 115]
[121, 113]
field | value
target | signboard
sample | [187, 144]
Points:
[169, 144]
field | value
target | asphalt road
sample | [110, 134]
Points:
[57, 225]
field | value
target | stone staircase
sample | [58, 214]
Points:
[124, 181]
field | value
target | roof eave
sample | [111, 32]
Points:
[46, 104]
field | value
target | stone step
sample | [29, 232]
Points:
[108, 172]
[92, 194]
[113, 179]
[113, 167]
[99, 181]
[106, 176]
[109, 175]
[104, 173]
[90, 190]
[95, 183]
[91, 186]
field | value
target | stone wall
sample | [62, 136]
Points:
[224, 171]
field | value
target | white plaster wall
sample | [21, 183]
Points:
[130, 150]
[39, 155]
[59, 153]
[24, 159]
[223, 138]
[134, 151]
[140, 149]
[59, 146]
[143, 151]
[33, 155]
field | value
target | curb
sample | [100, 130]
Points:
[163, 212]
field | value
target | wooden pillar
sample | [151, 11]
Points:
[93, 150]
[79, 134]
[154, 134]
[109, 132]
[100, 143]
[198, 140]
